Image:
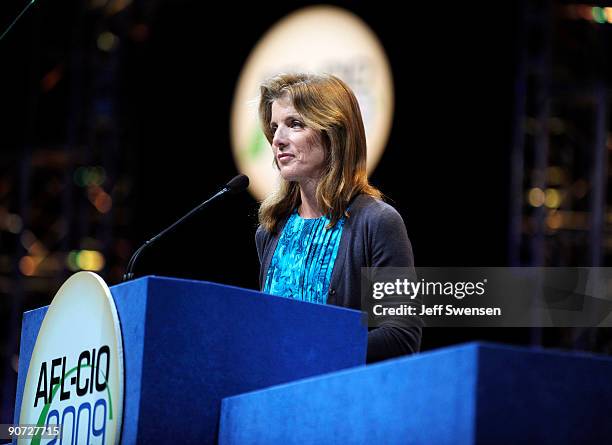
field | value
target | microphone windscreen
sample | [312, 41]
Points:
[238, 184]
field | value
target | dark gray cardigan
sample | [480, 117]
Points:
[374, 235]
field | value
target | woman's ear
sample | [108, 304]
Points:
[326, 144]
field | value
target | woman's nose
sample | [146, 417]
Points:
[279, 140]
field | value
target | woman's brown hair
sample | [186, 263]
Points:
[329, 106]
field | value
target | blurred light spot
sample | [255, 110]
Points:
[585, 12]
[598, 14]
[608, 14]
[27, 239]
[27, 265]
[15, 362]
[552, 198]
[31, 244]
[554, 175]
[536, 197]
[107, 41]
[92, 192]
[90, 260]
[116, 6]
[103, 202]
[554, 220]
[88, 176]
[97, 176]
[13, 223]
[100, 199]
[37, 249]
[71, 260]
[50, 80]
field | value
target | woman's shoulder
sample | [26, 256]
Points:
[371, 209]
[384, 229]
[262, 235]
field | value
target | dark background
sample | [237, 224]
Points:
[154, 112]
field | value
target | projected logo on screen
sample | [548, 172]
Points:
[320, 39]
[75, 376]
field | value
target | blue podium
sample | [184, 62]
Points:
[189, 344]
[469, 394]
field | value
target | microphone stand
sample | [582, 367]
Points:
[129, 274]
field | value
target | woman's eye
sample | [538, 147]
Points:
[296, 123]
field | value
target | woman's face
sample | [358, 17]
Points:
[298, 150]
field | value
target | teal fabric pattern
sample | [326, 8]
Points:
[304, 258]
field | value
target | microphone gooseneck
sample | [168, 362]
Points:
[30, 3]
[236, 185]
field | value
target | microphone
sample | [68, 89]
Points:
[236, 185]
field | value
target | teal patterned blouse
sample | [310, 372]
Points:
[304, 258]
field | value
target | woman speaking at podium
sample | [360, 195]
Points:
[325, 221]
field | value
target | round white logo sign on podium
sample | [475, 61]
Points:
[75, 377]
